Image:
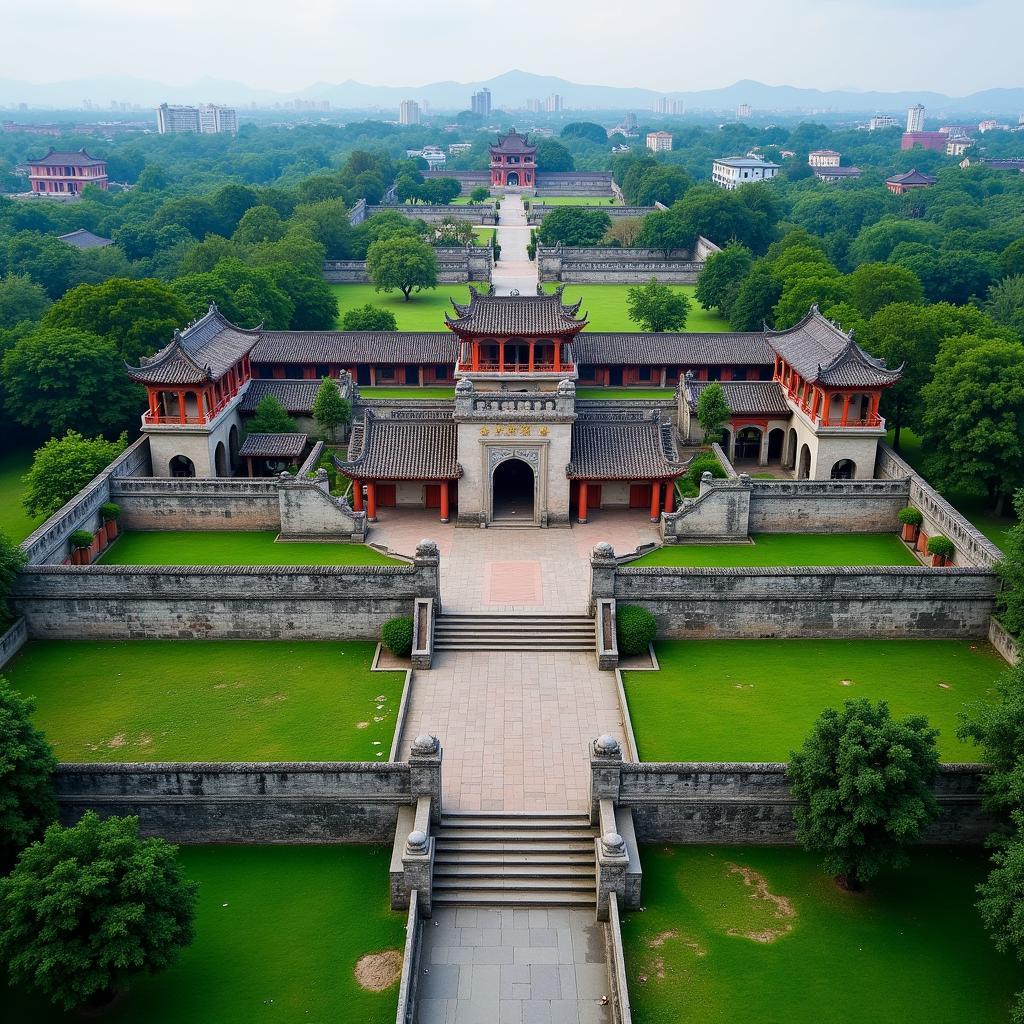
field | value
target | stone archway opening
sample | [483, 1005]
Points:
[513, 492]
[776, 440]
[748, 444]
[182, 466]
[804, 469]
[844, 469]
[512, 179]
[220, 461]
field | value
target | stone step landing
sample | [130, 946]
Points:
[473, 632]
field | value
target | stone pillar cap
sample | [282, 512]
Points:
[603, 550]
[417, 841]
[607, 746]
[613, 843]
[425, 745]
[426, 548]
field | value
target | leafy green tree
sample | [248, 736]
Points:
[137, 316]
[271, 417]
[720, 280]
[330, 410]
[479, 194]
[656, 307]
[194, 213]
[586, 131]
[874, 285]
[756, 298]
[230, 203]
[747, 215]
[955, 277]
[665, 230]
[60, 378]
[327, 223]
[401, 262]
[45, 259]
[90, 907]
[574, 225]
[799, 295]
[368, 318]
[1012, 258]
[21, 299]
[259, 224]
[27, 800]
[407, 190]
[864, 782]
[439, 191]
[1005, 303]
[12, 558]
[664, 183]
[875, 243]
[713, 411]
[553, 156]
[63, 466]
[973, 421]
[246, 295]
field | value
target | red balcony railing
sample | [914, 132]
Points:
[511, 367]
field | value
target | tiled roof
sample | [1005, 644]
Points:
[745, 397]
[351, 347]
[82, 239]
[204, 351]
[596, 348]
[273, 446]
[513, 143]
[403, 448]
[822, 354]
[911, 177]
[837, 172]
[622, 446]
[295, 395]
[515, 314]
[65, 158]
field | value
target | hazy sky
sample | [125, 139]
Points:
[952, 46]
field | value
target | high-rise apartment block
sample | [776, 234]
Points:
[480, 103]
[409, 112]
[915, 118]
[208, 119]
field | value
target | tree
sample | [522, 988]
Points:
[746, 215]
[45, 259]
[21, 299]
[720, 279]
[259, 224]
[479, 194]
[12, 558]
[270, 417]
[63, 466]
[59, 378]
[327, 223]
[401, 262]
[974, 417]
[665, 230]
[439, 191]
[585, 130]
[453, 231]
[624, 231]
[756, 298]
[864, 782]
[822, 290]
[90, 907]
[955, 277]
[1005, 303]
[27, 764]
[713, 411]
[876, 242]
[1011, 569]
[369, 318]
[574, 225]
[656, 307]
[874, 285]
[553, 156]
[663, 184]
[1012, 258]
[330, 410]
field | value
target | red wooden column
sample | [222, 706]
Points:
[501, 356]
[357, 495]
[445, 484]
[670, 495]
[532, 343]
[846, 410]
[558, 354]
[582, 503]
[181, 407]
[371, 501]
[655, 500]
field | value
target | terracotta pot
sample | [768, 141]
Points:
[938, 560]
[111, 528]
[909, 532]
[922, 541]
[100, 540]
[77, 556]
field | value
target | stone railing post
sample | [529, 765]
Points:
[605, 774]
[425, 772]
[428, 560]
[602, 573]
[612, 861]
[418, 868]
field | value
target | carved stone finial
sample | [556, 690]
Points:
[706, 477]
[464, 387]
[424, 745]
[566, 387]
[417, 842]
[603, 550]
[612, 844]
[607, 746]
[426, 549]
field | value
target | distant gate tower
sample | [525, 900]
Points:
[513, 162]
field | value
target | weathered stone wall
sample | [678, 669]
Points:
[349, 802]
[12, 641]
[475, 213]
[238, 602]
[308, 511]
[454, 266]
[611, 265]
[358, 213]
[1003, 642]
[549, 183]
[538, 211]
[230, 503]
[826, 506]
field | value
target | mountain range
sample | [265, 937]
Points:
[512, 89]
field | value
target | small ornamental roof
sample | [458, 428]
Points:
[82, 239]
[513, 144]
[823, 354]
[352, 347]
[510, 315]
[837, 172]
[397, 447]
[296, 396]
[622, 446]
[911, 177]
[64, 158]
[744, 397]
[203, 352]
[597, 348]
[273, 446]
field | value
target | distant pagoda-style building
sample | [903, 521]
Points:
[513, 162]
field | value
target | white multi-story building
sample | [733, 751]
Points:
[989, 125]
[408, 112]
[553, 104]
[958, 145]
[171, 119]
[743, 111]
[213, 120]
[659, 142]
[880, 121]
[823, 158]
[435, 157]
[480, 103]
[915, 118]
[664, 105]
[732, 171]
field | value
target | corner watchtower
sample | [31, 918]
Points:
[513, 162]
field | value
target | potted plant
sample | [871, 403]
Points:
[941, 549]
[911, 519]
[80, 541]
[109, 513]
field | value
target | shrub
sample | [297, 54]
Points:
[80, 539]
[910, 516]
[706, 463]
[396, 636]
[636, 629]
[939, 545]
[109, 510]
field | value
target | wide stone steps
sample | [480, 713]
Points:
[470, 632]
[496, 859]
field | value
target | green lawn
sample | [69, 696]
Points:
[423, 312]
[574, 201]
[209, 700]
[279, 930]
[788, 549]
[909, 950]
[482, 236]
[14, 520]
[233, 547]
[606, 307]
[756, 700]
[975, 509]
[610, 394]
[441, 393]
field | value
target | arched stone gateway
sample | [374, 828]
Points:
[513, 179]
[748, 444]
[220, 461]
[804, 469]
[844, 469]
[181, 465]
[513, 491]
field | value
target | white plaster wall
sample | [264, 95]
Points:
[409, 492]
[615, 495]
[196, 443]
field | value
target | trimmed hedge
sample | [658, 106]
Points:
[80, 539]
[706, 463]
[635, 628]
[396, 636]
[910, 516]
[939, 545]
[109, 511]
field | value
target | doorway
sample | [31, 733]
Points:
[512, 492]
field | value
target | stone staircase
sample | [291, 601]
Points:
[514, 632]
[543, 859]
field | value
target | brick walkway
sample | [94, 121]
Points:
[514, 270]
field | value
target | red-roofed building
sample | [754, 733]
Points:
[66, 174]
[513, 162]
[926, 140]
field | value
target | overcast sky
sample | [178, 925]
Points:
[951, 46]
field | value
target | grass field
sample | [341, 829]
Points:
[574, 201]
[482, 236]
[605, 305]
[209, 700]
[782, 549]
[14, 520]
[910, 949]
[756, 700]
[279, 930]
[381, 393]
[423, 312]
[233, 547]
[975, 509]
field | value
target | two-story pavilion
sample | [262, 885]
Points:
[65, 173]
[513, 162]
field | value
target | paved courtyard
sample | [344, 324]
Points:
[514, 271]
[506, 966]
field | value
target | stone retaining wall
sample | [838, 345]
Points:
[538, 211]
[612, 265]
[454, 266]
[475, 213]
[12, 641]
[230, 503]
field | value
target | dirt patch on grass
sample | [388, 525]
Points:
[274, 698]
[362, 725]
[118, 741]
[377, 971]
[660, 939]
[782, 909]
